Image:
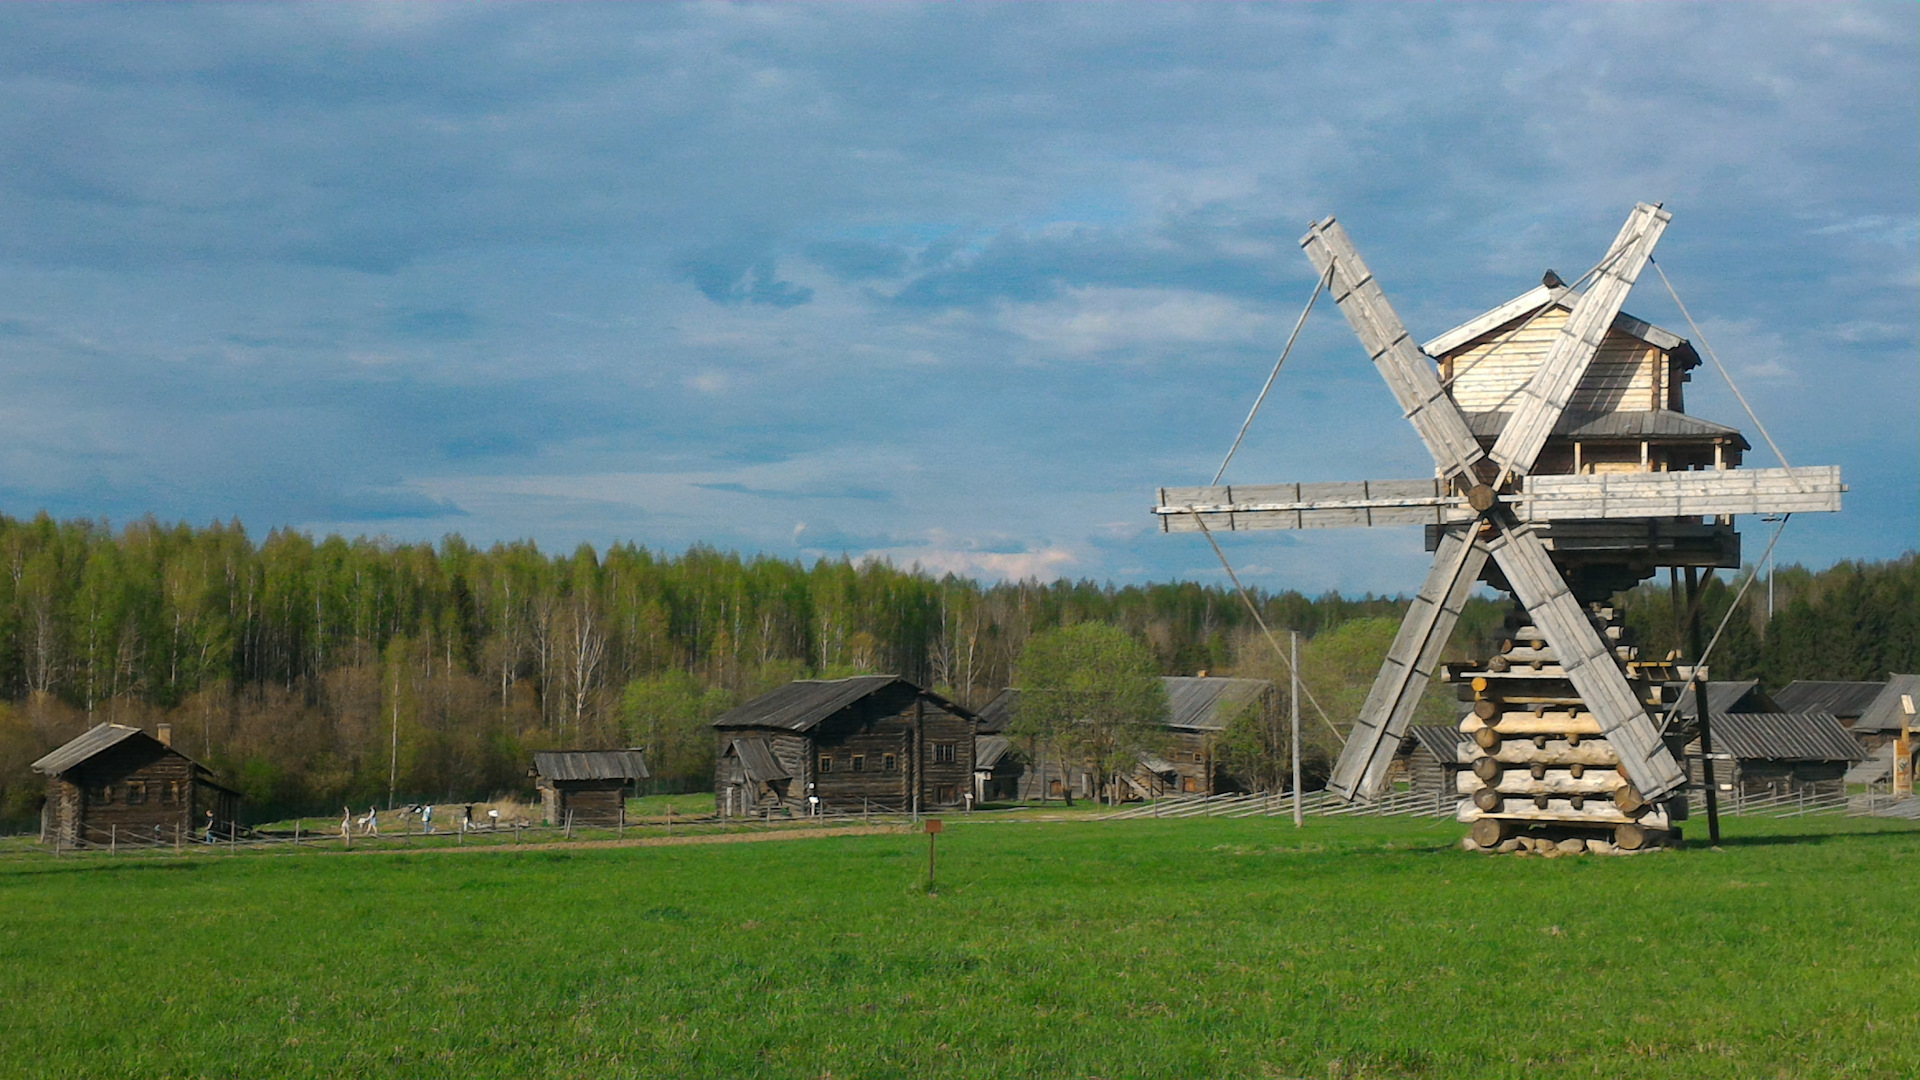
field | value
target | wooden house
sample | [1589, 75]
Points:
[1878, 727]
[1733, 696]
[873, 741]
[1777, 753]
[1430, 758]
[1199, 710]
[586, 787]
[116, 782]
[999, 766]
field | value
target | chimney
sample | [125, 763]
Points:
[164, 733]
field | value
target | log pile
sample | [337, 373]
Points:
[1538, 773]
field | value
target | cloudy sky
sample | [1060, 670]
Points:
[957, 285]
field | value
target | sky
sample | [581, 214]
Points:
[955, 285]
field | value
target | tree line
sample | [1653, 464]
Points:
[311, 672]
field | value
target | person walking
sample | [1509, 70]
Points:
[346, 824]
[426, 818]
[210, 838]
[370, 825]
[466, 820]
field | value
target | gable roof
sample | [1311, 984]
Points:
[1209, 704]
[590, 765]
[802, 705]
[1876, 767]
[1846, 700]
[998, 713]
[1441, 740]
[757, 760]
[1735, 696]
[1806, 736]
[1561, 296]
[988, 750]
[94, 740]
[1885, 714]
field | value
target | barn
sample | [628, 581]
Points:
[1845, 700]
[869, 742]
[1430, 756]
[586, 787]
[116, 782]
[998, 765]
[1778, 753]
[1199, 710]
[1878, 728]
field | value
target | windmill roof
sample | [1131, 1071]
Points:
[590, 764]
[1209, 704]
[1562, 297]
[1886, 713]
[1845, 700]
[1808, 736]
[1624, 424]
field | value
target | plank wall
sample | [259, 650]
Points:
[1626, 374]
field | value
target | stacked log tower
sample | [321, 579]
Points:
[1538, 767]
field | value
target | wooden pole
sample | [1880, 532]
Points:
[1700, 706]
[1293, 717]
[113, 839]
[296, 832]
[393, 754]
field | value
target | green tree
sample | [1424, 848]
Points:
[1093, 692]
[668, 714]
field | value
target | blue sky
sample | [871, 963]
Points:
[957, 285]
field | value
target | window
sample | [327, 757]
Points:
[100, 794]
[170, 793]
[859, 763]
[826, 763]
[887, 763]
[943, 793]
[136, 792]
[942, 752]
[1199, 758]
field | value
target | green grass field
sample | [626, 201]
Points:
[1189, 948]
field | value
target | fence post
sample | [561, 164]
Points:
[113, 839]
[296, 832]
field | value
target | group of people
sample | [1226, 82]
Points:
[370, 821]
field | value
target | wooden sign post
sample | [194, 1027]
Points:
[934, 827]
[1903, 749]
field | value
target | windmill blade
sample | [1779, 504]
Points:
[1409, 372]
[1362, 769]
[1598, 496]
[1242, 507]
[1588, 662]
[1545, 396]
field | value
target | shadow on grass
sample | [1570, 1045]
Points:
[1772, 839]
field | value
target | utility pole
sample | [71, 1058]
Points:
[1293, 717]
[393, 754]
[1701, 707]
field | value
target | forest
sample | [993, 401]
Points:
[310, 673]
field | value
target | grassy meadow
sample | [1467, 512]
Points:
[1181, 948]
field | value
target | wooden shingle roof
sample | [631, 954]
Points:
[1808, 736]
[93, 741]
[1885, 713]
[758, 761]
[1209, 704]
[1846, 700]
[803, 704]
[590, 765]
[1441, 740]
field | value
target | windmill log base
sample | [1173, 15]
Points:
[1538, 772]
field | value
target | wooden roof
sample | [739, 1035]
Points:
[1742, 696]
[1628, 425]
[100, 738]
[998, 713]
[803, 704]
[1209, 704]
[1846, 700]
[1806, 736]
[1885, 713]
[758, 761]
[589, 765]
[1441, 740]
[988, 750]
[1540, 296]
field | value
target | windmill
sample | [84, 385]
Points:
[1560, 733]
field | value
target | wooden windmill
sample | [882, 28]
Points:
[1560, 733]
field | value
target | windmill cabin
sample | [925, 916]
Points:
[873, 741]
[116, 782]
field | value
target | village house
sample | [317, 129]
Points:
[844, 745]
[115, 782]
[586, 787]
[1877, 730]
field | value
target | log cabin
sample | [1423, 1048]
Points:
[1200, 708]
[1877, 730]
[586, 787]
[869, 742]
[1430, 756]
[999, 766]
[1777, 753]
[115, 782]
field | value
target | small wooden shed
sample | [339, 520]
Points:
[1430, 754]
[119, 783]
[586, 787]
[1199, 710]
[1778, 753]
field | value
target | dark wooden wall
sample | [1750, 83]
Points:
[135, 789]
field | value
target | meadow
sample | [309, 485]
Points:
[1179, 948]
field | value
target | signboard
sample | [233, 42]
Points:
[934, 825]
